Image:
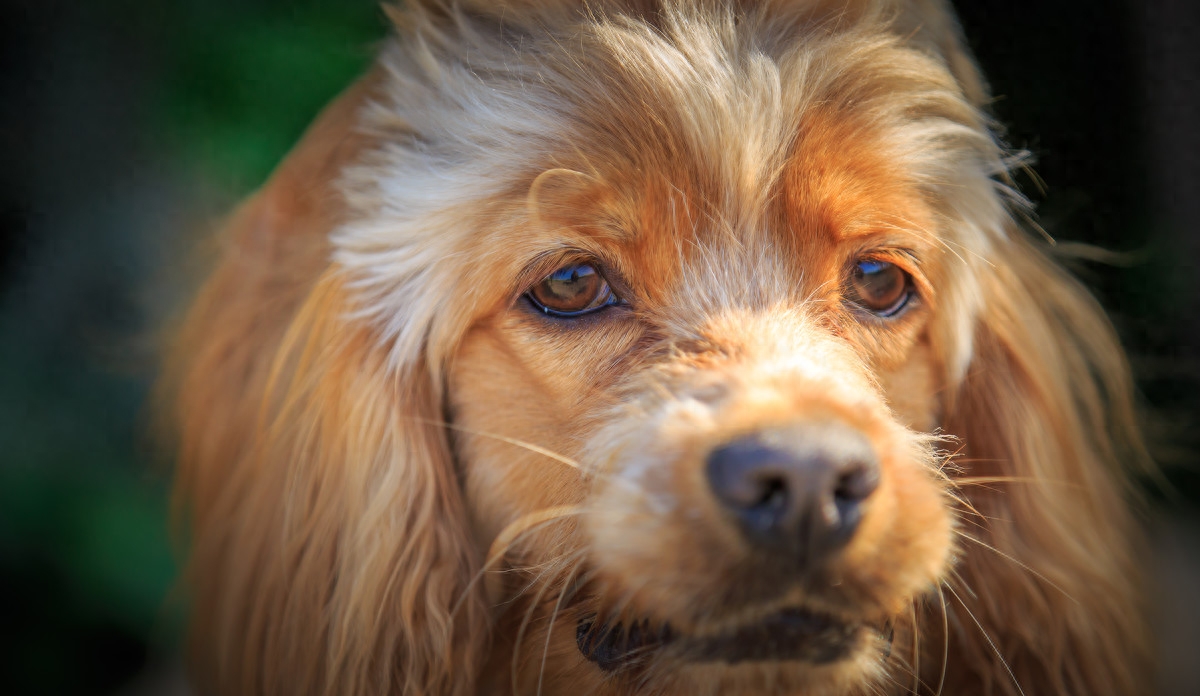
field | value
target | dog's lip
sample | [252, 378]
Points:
[790, 635]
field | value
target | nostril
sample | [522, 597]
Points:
[772, 507]
[857, 483]
[774, 494]
[854, 486]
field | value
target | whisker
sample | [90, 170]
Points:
[988, 487]
[967, 519]
[526, 523]
[535, 580]
[554, 616]
[980, 460]
[1036, 574]
[988, 638]
[509, 536]
[525, 445]
[525, 622]
[968, 506]
[945, 642]
[965, 585]
[903, 666]
[894, 681]
[916, 660]
[550, 454]
[898, 668]
[982, 480]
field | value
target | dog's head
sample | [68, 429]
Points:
[627, 347]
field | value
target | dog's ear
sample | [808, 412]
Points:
[329, 547]
[1050, 444]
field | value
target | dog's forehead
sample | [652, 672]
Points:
[833, 196]
[734, 173]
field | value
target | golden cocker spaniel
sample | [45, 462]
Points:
[655, 347]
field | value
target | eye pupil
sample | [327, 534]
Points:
[571, 290]
[571, 283]
[880, 287]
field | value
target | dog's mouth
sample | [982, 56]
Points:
[791, 635]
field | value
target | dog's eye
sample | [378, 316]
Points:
[881, 287]
[572, 291]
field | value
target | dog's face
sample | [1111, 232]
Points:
[722, 402]
[655, 346]
[693, 411]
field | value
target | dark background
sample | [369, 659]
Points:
[127, 127]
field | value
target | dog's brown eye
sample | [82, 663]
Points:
[572, 291]
[881, 287]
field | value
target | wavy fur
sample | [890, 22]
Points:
[357, 455]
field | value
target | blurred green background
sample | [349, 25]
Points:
[130, 126]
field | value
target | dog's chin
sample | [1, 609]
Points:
[794, 644]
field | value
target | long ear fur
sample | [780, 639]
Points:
[329, 548]
[1048, 596]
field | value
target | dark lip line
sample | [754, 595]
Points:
[790, 635]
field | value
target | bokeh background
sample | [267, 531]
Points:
[128, 127]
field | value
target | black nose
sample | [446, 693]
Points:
[801, 488]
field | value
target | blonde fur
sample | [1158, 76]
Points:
[394, 482]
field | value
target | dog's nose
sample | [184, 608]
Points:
[800, 489]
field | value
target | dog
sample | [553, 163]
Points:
[655, 347]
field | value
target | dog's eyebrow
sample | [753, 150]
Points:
[546, 261]
[890, 230]
[559, 197]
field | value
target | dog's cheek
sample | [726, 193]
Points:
[910, 388]
[522, 398]
[498, 406]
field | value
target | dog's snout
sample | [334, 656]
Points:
[801, 488]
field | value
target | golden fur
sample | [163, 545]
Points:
[396, 479]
